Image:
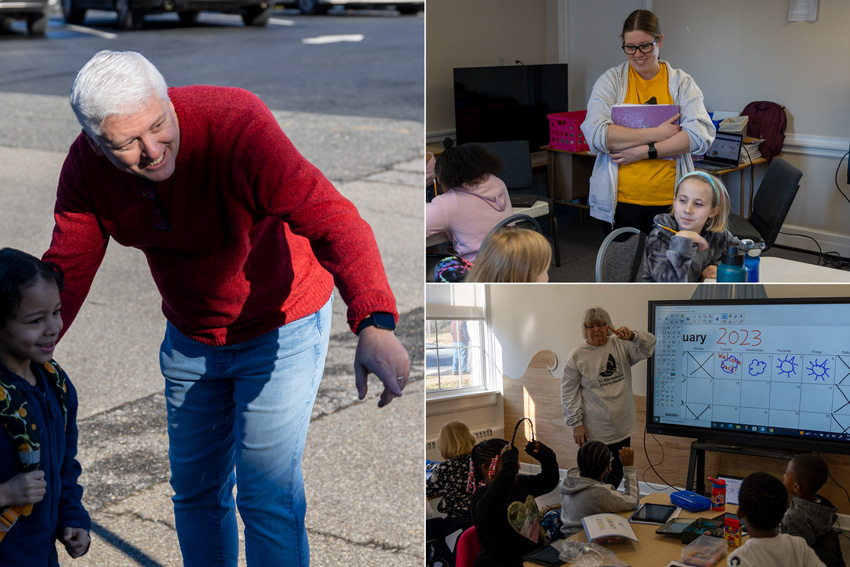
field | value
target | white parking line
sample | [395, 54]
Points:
[333, 39]
[279, 22]
[89, 31]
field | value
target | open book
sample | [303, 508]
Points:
[607, 528]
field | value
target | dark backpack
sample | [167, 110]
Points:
[767, 120]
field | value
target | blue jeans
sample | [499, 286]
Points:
[241, 412]
[460, 355]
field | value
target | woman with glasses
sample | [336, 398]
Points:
[596, 388]
[630, 183]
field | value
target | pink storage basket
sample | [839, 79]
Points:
[565, 131]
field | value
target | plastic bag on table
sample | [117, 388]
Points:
[586, 554]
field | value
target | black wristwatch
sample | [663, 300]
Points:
[378, 319]
[653, 153]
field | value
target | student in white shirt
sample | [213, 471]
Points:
[762, 501]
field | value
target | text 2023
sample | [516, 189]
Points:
[732, 337]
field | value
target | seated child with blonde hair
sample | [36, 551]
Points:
[584, 491]
[686, 244]
[810, 515]
[455, 444]
[512, 255]
[762, 500]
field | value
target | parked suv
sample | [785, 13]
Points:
[322, 6]
[131, 13]
[36, 13]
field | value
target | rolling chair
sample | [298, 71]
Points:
[620, 256]
[771, 204]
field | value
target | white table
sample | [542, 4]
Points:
[538, 209]
[781, 270]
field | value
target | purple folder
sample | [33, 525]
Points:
[643, 115]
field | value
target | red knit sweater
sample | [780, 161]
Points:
[255, 228]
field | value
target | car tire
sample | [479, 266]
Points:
[409, 9]
[73, 15]
[257, 16]
[312, 7]
[37, 23]
[129, 18]
[188, 17]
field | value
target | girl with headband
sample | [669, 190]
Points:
[686, 244]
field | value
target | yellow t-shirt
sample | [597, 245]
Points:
[649, 182]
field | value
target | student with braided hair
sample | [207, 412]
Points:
[502, 506]
[584, 491]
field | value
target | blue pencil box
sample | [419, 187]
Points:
[690, 501]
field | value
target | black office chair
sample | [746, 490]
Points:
[620, 256]
[771, 204]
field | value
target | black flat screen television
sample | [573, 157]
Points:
[497, 104]
[760, 372]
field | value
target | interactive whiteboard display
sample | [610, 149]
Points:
[760, 372]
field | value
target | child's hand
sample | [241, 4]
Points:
[627, 456]
[702, 243]
[23, 489]
[538, 450]
[710, 272]
[76, 541]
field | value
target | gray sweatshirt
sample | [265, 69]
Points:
[596, 389]
[582, 497]
[813, 520]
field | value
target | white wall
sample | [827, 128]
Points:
[527, 319]
[473, 33]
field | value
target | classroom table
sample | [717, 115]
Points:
[782, 270]
[652, 550]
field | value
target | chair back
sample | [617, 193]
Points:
[774, 199]
[516, 171]
[620, 256]
[518, 220]
[467, 548]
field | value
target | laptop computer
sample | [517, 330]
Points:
[724, 153]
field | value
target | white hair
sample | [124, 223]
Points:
[594, 314]
[114, 83]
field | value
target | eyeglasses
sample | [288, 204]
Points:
[158, 216]
[644, 47]
[596, 326]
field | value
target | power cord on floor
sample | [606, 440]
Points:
[651, 466]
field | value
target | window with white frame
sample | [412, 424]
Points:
[453, 354]
[455, 339]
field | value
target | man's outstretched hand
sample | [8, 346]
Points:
[379, 352]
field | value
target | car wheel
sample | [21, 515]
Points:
[129, 18]
[37, 23]
[73, 15]
[188, 17]
[312, 7]
[257, 15]
[409, 9]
